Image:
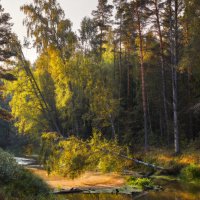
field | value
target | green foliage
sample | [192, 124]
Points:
[46, 22]
[8, 167]
[5, 38]
[141, 183]
[27, 183]
[73, 156]
[26, 107]
[191, 173]
[19, 182]
[70, 158]
[105, 153]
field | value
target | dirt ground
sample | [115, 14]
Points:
[88, 180]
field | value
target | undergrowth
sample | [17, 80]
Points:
[191, 173]
[17, 182]
[141, 183]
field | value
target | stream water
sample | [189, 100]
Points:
[173, 190]
[24, 161]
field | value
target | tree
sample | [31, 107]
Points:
[46, 23]
[5, 54]
[138, 14]
[158, 6]
[102, 19]
[175, 10]
[88, 36]
[189, 62]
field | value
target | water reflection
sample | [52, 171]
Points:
[97, 197]
[173, 191]
[176, 191]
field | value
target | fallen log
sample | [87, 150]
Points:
[71, 191]
[138, 161]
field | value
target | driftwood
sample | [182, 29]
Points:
[88, 191]
[100, 191]
[71, 191]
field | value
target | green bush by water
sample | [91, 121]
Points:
[191, 172]
[17, 182]
[141, 183]
[8, 167]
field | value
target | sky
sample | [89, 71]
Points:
[75, 10]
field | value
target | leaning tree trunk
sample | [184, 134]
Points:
[43, 103]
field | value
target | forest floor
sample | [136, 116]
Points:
[92, 180]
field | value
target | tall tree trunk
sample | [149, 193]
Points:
[149, 115]
[128, 85]
[189, 76]
[112, 126]
[162, 68]
[144, 104]
[174, 63]
[120, 59]
[190, 125]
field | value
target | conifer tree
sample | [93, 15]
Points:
[102, 18]
[5, 53]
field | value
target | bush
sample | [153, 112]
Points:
[191, 172]
[27, 183]
[8, 167]
[15, 181]
[141, 183]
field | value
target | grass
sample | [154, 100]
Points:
[185, 166]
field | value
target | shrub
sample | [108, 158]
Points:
[27, 183]
[18, 182]
[8, 167]
[141, 183]
[191, 172]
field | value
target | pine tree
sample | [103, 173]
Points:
[102, 18]
[5, 53]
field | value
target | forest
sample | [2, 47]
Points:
[125, 84]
